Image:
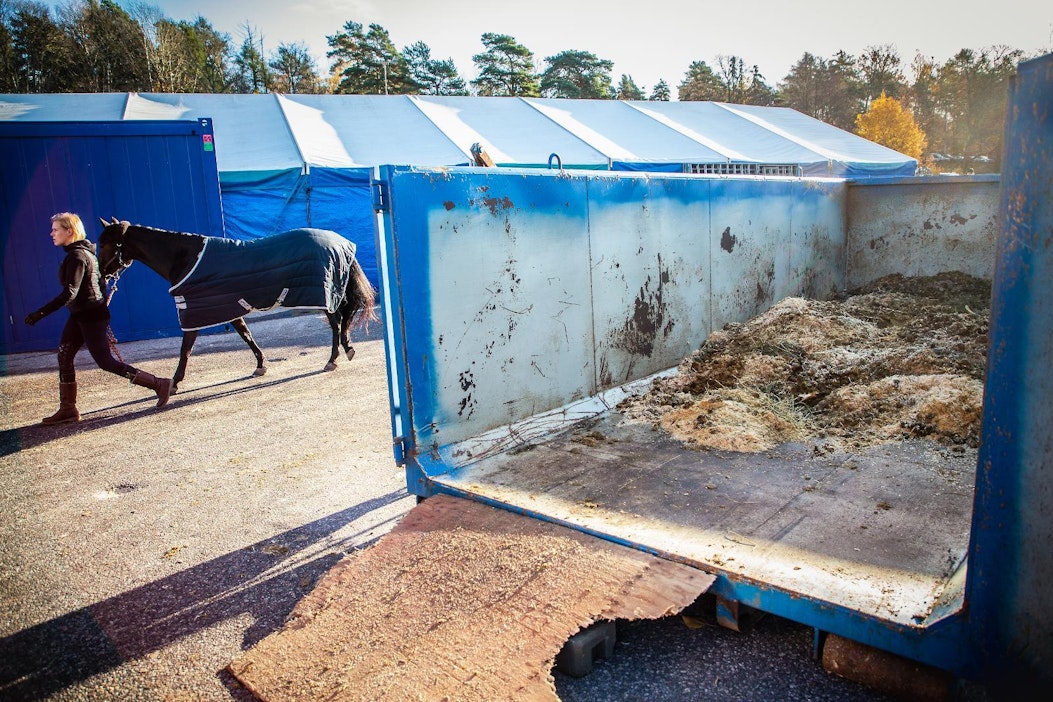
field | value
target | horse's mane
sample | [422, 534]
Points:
[159, 230]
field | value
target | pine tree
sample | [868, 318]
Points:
[506, 68]
[577, 74]
[628, 90]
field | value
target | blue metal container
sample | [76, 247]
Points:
[162, 174]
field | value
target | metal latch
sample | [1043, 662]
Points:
[380, 197]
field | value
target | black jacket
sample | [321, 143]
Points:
[82, 288]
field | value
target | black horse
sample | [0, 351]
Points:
[218, 281]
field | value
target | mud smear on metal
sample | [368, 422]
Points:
[649, 318]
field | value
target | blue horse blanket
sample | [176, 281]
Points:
[307, 268]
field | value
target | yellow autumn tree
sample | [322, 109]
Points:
[890, 124]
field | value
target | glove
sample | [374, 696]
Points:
[34, 317]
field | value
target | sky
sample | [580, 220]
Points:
[650, 40]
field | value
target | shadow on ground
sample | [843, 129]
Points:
[44, 659]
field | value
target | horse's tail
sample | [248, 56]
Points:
[362, 297]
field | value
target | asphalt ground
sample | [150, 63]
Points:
[142, 550]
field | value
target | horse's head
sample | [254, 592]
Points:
[113, 258]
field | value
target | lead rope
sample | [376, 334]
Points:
[110, 290]
[113, 343]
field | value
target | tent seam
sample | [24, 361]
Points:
[306, 167]
[728, 153]
[535, 108]
[416, 104]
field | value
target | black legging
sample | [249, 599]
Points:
[96, 335]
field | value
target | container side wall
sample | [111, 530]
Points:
[921, 227]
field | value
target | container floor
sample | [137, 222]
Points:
[880, 532]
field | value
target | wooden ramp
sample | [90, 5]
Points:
[460, 601]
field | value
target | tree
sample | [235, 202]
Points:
[888, 123]
[628, 90]
[700, 83]
[188, 57]
[660, 92]
[577, 74]
[292, 70]
[250, 74]
[880, 72]
[8, 65]
[971, 95]
[731, 71]
[921, 99]
[825, 89]
[170, 60]
[108, 52]
[429, 76]
[40, 51]
[843, 98]
[804, 87]
[367, 62]
[211, 51]
[758, 92]
[506, 68]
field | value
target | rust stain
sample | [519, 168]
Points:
[494, 204]
[448, 205]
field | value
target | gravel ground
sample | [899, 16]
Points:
[142, 550]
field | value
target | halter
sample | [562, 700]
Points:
[115, 276]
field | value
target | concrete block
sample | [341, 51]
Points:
[594, 642]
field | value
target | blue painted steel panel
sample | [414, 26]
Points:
[1011, 559]
[531, 290]
[161, 174]
[651, 255]
[505, 338]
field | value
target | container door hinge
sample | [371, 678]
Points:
[399, 446]
[380, 197]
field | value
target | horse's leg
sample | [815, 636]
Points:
[345, 329]
[334, 324]
[189, 337]
[243, 329]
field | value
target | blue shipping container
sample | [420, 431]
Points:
[160, 174]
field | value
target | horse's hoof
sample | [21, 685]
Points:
[350, 354]
[330, 367]
[258, 372]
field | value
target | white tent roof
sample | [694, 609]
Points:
[277, 133]
[349, 131]
[624, 133]
[510, 130]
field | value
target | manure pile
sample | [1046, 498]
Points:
[900, 358]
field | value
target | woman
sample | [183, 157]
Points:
[89, 319]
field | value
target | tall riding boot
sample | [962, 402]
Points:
[67, 411]
[162, 386]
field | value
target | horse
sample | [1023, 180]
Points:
[218, 281]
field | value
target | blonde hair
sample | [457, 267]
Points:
[71, 221]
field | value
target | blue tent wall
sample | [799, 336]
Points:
[161, 173]
[326, 198]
